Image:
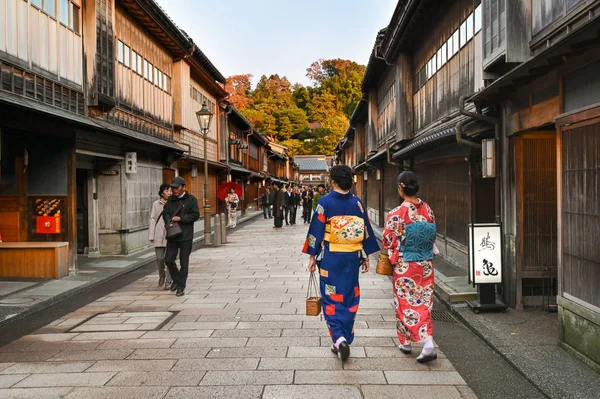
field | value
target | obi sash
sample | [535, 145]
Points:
[345, 233]
[418, 244]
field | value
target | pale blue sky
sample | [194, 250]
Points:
[263, 37]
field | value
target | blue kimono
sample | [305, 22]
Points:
[340, 235]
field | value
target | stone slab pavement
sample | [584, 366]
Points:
[20, 298]
[240, 331]
[527, 339]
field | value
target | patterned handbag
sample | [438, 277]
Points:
[384, 266]
[313, 298]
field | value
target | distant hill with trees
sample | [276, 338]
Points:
[283, 111]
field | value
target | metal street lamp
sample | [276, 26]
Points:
[204, 119]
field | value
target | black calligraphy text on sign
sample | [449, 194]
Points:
[487, 267]
[487, 244]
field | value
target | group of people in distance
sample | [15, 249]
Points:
[283, 202]
[339, 241]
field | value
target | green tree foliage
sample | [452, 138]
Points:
[341, 78]
[321, 107]
[272, 108]
[282, 110]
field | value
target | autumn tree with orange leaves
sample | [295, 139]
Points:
[282, 110]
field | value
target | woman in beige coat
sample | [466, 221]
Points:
[158, 235]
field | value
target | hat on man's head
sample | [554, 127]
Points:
[177, 181]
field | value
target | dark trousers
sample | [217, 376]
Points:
[288, 210]
[267, 211]
[293, 213]
[307, 213]
[278, 220]
[185, 249]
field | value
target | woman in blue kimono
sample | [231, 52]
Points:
[341, 237]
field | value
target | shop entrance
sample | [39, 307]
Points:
[537, 215]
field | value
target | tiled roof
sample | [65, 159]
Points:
[317, 164]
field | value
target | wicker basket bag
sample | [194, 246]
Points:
[384, 266]
[313, 298]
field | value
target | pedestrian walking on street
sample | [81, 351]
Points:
[317, 196]
[296, 201]
[307, 201]
[278, 205]
[265, 202]
[158, 235]
[340, 235]
[409, 238]
[288, 203]
[232, 202]
[181, 208]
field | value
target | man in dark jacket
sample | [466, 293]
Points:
[278, 205]
[307, 198]
[296, 201]
[287, 191]
[182, 208]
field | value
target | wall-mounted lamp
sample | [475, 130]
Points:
[365, 175]
[194, 170]
[378, 175]
[488, 159]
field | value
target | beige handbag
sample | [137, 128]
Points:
[313, 298]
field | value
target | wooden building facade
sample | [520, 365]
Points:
[41, 106]
[253, 160]
[408, 116]
[97, 109]
[522, 75]
[542, 75]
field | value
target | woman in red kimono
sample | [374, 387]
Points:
[409, 237]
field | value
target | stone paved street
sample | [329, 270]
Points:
[240, 331]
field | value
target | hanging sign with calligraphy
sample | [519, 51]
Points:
[485, 253]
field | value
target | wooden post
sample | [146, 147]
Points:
[72, 207]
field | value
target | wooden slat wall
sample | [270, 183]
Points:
[9, 219]
[37, 39]
[134, 90]
[445, 187]
[391, 198]
[440, 95]
[251, 192]
[142, 189]
[190, 121]
[539, 207]
[196, 142]
[581, 212]
[109, 201]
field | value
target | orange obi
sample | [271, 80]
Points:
[345, 233]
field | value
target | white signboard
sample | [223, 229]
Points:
[131, 162]
[485, 253]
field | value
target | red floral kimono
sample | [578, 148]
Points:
[409, 237]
